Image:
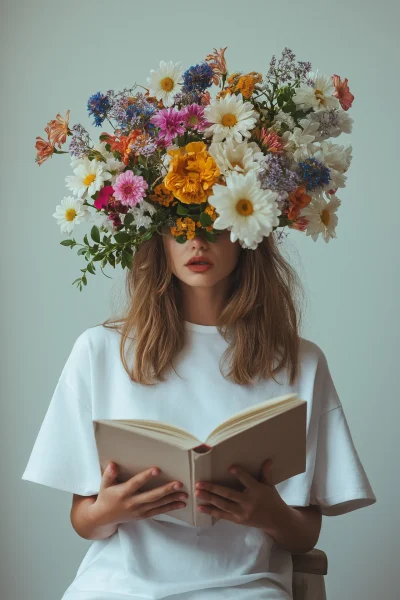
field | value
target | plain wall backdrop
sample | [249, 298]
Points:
[54, 56]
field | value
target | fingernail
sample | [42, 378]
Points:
[154, 472]
[177, 486]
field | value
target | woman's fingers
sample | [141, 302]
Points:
[160, 492]
[163, 509]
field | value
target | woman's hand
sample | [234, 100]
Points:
[255, 506]
[120, 502]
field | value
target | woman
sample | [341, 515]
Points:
[196, 345]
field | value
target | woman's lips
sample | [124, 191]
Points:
[196, 268]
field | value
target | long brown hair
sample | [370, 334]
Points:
[260, 320]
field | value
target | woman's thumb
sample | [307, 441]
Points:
[109, 475]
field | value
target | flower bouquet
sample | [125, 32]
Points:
[204, 150]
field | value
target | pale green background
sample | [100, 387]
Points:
[55, 55]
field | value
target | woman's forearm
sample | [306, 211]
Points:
[296, 529]
[84, 521]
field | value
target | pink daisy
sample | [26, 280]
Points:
[129, 189]
[194, 117]
[169, 120]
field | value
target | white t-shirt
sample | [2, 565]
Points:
[163, 557]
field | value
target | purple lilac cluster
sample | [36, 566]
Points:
[80, 142]
[286, 68]
[276, 176]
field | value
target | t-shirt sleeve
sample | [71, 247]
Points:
[64, 455]
[335, 478]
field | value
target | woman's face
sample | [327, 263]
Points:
[223, 256]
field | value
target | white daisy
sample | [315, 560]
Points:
[233, 156]
[164, 82]
[230, 118]
[299, 141]
[248, 211]
[69, 213]
[319, 96]
[89, 177]
[322, 218]
[112, 164]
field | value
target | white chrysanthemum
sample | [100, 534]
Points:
[89, 177]
[337, 158]
[233, 156]
[332, 123]
[298, 143]
[165, 81]
[319, 96]
[322, 218]
[140, 218]
[101, 220]
[69, 213]
[248, 211]
[282, 117]
[231, 118]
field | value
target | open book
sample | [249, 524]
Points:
[273, 429]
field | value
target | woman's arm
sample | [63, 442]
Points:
[84, 522]
[296, 529]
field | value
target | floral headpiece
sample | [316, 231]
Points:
[251, 158]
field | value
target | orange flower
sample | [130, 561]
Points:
[298, 200]
[44, 149]
[246, 83]
[163, 196]
[300, 224]
[270, 140]
[192, 173]
[218, 64]
[59, 129]
[342, 92]
[184, 226]
[121, 143]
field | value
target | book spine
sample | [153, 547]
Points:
[201, 471]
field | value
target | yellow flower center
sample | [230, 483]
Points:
[89, 179]
[319, 95]
[244, 207]
[167, 84]
[193, 120]
[229, 120]
[70, 214]
[325, 217]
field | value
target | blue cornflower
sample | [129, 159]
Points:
[98, 105]
[314, 174]
[197, 78]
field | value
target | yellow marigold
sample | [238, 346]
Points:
[162, 195]
[246, 83]
[210, 210]
[192, 173]
[184, 226]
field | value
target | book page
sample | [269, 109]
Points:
[157, 430]
[251, 416]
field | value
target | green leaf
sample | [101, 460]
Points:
[181, 209]
[85, 239]
[68, 243]
[205, 220]
[209, 236]
[99, 256]
[180, 239]
[84, 280]
[111, 259]
[127, 259]
[81, 251]
[128, 219]
[104, 262]
[88, 255]
[121, 237]
[91, 268]
[148, 236]
[95, 234]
